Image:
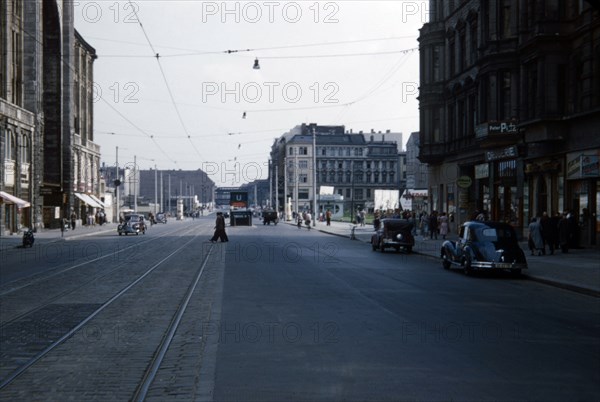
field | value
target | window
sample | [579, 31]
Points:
[10, 150]
[506, 111]
[462, 48]
[348, 194]
[504, 19]
[303, 164]
[25, 150]
[462, 117]
[303, 178]
[451, 123]
[302, 150]
[436, 124]
[358, 194]
[435, 61]
[452, 58]
[473, 40]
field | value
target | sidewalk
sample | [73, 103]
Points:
[52, 235]
[579, 270]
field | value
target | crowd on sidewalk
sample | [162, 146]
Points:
[554, 232]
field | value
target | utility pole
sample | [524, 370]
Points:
[162, 205]
[277, 188]
[135, 183]
[155, 189]
[270, 185]
[314, 176]
[117, 185]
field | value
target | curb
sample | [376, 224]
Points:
[545, 281]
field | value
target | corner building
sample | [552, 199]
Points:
[510, 110]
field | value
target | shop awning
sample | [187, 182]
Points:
[93, 197]
[11, 199]
[88, 200]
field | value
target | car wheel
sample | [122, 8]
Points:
[515, 272]
[409, 249]
[397, 248]
[445, 262]
[468, 268]
[381, 246]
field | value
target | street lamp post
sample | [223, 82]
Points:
[314, 178]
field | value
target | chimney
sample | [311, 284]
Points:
[372, 131]
[388, 131]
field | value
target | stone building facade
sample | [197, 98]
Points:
[510, 109]
[39, 138]
[347, 162]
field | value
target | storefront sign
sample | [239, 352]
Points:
[482, 171]
[583, 165]
[504, 153]
[464, 182]
[503, 127]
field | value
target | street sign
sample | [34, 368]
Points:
[464, 182]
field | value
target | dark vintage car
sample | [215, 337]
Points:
[270, 216]
[484, 246]
[395, 233]
[133, 223]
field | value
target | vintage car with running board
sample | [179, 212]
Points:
[484, 246]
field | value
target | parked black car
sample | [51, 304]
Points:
[485, 246]
[133, 223]
[270, 216]
[396, 233]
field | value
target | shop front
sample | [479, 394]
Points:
[583, 194]
[506, 187]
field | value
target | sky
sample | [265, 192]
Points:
[174, 79]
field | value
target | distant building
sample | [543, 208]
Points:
[416, 171]
[346, 161]
[192, 186]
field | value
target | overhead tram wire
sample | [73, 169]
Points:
[259, 49]
[157, 55]
[138, 129]
[72, 68]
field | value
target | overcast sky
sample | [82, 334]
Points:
[184, 109]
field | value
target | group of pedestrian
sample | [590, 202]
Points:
[305, 217]
[437, 224]
[556, 231]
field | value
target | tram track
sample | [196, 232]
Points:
[30, 281]
[26, 309]
[174, 323]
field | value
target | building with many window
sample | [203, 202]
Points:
[49, 162]
[510, 109]
[345, 162]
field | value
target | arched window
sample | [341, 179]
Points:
[10, 152]
[25, 149]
